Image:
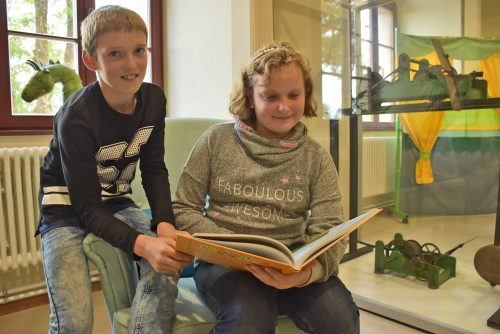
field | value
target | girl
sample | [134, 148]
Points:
[264, 175]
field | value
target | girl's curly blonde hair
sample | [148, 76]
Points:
[263, 63]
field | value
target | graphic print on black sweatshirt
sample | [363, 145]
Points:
[116, 163]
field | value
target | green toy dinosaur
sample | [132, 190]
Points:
[42, 82]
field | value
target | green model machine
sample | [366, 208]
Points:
[428, 84]
[432, 83]
[424, 262]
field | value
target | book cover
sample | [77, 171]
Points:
[238, 250]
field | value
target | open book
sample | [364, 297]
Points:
[238, 250]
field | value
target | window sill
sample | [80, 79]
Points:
[34, 132]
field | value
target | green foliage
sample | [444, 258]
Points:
[17, 73]
[22, 48]
[332, 40]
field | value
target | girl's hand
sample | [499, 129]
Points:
[277, 279]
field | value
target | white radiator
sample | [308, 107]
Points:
[378, 170]
[19, 184]
[21, 272]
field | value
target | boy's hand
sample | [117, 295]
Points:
[160, 251]
[277, 279]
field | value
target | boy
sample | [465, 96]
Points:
[100, 134]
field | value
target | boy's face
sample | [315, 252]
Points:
[280, 102]
[120, 61]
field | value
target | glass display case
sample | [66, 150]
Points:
[402, 141]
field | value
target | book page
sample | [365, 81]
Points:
[315, 245]
[209, 251]
[256, 249]
[247, 239]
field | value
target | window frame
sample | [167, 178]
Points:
[41, 125]
[375, 124]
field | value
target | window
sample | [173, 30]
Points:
[334, 57]
[46, 31]
[376, 35]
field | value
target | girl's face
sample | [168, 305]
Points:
[280, 102]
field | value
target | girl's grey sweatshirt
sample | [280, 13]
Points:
[286, 189]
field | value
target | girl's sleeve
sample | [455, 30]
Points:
[326, 212]
[192, 190]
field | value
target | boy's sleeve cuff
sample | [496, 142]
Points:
[316, 274]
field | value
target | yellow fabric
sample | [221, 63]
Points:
[491, 73]
[423, 129]
[479, 119]
[492, 127]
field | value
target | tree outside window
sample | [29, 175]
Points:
[334, 62]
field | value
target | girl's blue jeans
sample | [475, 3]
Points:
[69, 287]
[243, 304]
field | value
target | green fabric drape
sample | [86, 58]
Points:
[462, 48]
[423, 128]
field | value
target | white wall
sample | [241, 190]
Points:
[490, 15]
[240, 36]
[429, 17]
[207, 42]
[444, 18]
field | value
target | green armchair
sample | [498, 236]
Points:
[118, 271]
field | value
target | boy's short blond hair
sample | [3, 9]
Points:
[106, 19]
[264, 62]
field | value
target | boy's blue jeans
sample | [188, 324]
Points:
[69, 287]
[243, 304]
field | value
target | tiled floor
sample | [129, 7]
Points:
[34, 321]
